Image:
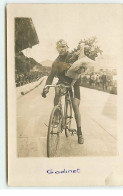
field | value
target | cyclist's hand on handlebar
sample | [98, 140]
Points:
[43, 94]
[45, 91]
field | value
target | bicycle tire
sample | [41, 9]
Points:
[53, 135]
[67, 116]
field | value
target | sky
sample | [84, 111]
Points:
[73, 23]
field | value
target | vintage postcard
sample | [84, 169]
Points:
[64, 94]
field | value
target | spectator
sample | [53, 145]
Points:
[88, 78]
[109, 82]
[104, 81]
[93, 80]
[97, 80]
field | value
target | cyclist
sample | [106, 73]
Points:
[59, 68]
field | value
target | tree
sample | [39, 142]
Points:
[23, 64]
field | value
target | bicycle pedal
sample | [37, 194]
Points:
[72, 131]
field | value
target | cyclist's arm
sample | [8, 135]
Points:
[50, 78]
[53, 73]
[73, 58]
[48, 82]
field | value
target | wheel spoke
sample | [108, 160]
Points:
[53, 132]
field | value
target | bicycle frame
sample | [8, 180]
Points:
[59, 86]
[67, 98]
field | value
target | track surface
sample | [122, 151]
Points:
[98, 110]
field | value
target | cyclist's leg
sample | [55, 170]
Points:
[57, 93]
[75, 98]
[56, 101]
[56, 98]
[75, 105]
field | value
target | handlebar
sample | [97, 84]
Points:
[56, 85]
[53, 85]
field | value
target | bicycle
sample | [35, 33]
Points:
[59, 120]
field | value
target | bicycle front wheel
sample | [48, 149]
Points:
[54, 129]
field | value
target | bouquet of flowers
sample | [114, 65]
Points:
[83, 57]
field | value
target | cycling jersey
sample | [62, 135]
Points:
[59, 67]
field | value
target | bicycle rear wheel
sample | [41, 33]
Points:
[54, 129]
[67, 116]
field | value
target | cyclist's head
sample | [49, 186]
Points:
[62, 47]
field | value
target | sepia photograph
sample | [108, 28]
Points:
[64, 75]
[66, 85]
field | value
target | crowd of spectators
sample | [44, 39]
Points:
[22, 79]
[96, 80]
[101, 81]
